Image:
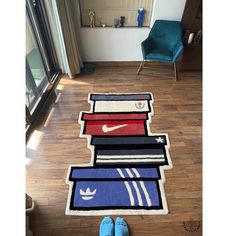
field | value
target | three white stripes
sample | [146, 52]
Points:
[131, 197]
[140, 201]
[143, 188]
[127, 160]
[130, 158]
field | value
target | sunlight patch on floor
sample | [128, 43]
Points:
[49, 117]
[60, 87]
[71, 82]
[27, 162]
[35, 139]
[58, 97]
[80, 82]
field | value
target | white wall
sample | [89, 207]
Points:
[123, 44]
[108, 44]
[168, 9]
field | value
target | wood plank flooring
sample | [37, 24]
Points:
[55, 144]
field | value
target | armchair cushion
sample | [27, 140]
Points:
[159, 55]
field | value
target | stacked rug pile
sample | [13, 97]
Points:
[126, 172]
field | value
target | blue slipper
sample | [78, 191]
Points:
[121, 227]
[107, 227]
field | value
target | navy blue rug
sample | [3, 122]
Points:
[126, 173]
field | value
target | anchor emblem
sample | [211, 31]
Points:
[140, 105]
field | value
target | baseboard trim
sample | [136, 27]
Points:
[116, 63]
[127, 63]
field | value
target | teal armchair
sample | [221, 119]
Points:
[163, 44]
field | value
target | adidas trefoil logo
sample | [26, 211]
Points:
[87, 195]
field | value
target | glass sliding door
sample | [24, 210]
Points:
[41, 63]
[36, 75]
[49, 54]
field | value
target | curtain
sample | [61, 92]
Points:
[63, 18]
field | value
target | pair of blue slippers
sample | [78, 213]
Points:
[107, 227]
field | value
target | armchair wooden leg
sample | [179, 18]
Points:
[176, 71]
[140, 67]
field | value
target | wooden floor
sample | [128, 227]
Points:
[55, 144]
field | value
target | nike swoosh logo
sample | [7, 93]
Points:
[106, 129]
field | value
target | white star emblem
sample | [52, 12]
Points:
[160, 140]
